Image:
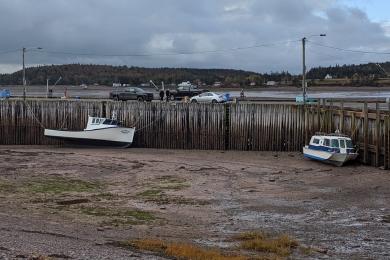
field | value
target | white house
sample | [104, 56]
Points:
[271, 83]
[328, 76]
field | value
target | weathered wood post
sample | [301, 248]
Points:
[342, 117]
[377, 140]
[365, 133]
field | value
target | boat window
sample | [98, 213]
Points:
[316, 141]
[335, 143]
[107, 122]
[326, 142]
[342, 143]
[93, 120]
[349, 144]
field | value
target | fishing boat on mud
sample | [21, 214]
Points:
[334, 148]
[99, 131]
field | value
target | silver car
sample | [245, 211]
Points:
[207, 97]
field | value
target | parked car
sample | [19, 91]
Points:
[208, 97]
[131, 93]
[5, 93]
[185, 91]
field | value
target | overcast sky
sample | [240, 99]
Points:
[216, 33]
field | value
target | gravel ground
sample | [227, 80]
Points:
[74, 202]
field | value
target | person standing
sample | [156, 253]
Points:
[242, 95]
[167, 95]
[161, 95]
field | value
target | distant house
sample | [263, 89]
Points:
[328, 76]
[217, 84]
[356, 77]
[252, 84]
[271, 83]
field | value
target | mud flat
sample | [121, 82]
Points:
[84, 203]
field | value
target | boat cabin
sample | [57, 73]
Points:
[335, 143]
[95, 123]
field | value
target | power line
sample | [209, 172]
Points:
[349, 50]
[166, 53]
[10, 51]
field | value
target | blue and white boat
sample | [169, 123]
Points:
[330, 148]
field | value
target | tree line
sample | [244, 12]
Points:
[77, 74]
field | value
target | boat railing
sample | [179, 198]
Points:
[331, 134]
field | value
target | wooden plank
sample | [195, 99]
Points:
[365, 133]
[377, 137]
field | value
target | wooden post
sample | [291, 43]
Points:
[319, 128]
[305, 124]
[386, 141]
[388, 136]
[342, 117]
[377, 136]
[365, 133]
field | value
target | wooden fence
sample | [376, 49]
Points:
[251, 127]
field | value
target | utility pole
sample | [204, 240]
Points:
[24, 49]
[304, 70]
[24, 75]
[304, 85]
[47, 87]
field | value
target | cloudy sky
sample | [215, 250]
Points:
[256, 35]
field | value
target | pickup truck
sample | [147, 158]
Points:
[131, 93]
[185, 91]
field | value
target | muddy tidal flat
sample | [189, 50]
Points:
[103, 203]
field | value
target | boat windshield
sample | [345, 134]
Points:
[326, 142]
[349, 143]
[342, 143]
[110, 122]
[335, 143]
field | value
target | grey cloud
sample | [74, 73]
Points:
[149, 26]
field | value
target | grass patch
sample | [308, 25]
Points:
[152, 193]
[117, 217]
[60, 185]
[169, 182]
[159, 197]
[386, 219]
[181, 250]
[157, 192]
[261, 242]
[6, 187]
[252, 246]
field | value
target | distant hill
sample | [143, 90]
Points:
[76, 74]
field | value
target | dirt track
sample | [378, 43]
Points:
[66, 202]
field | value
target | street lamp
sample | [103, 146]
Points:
[24, 68]
[304, 39]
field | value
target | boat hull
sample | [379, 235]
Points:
[337, 159]
[118, 136]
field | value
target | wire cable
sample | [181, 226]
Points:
[349, 50]
[166, 53]
[10, 51]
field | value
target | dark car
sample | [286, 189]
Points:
[131, 93]
[186, 91]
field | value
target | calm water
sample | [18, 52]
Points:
[103, 92]
[315, 94]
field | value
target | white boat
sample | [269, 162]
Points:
[330, 148]
[99, 131]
